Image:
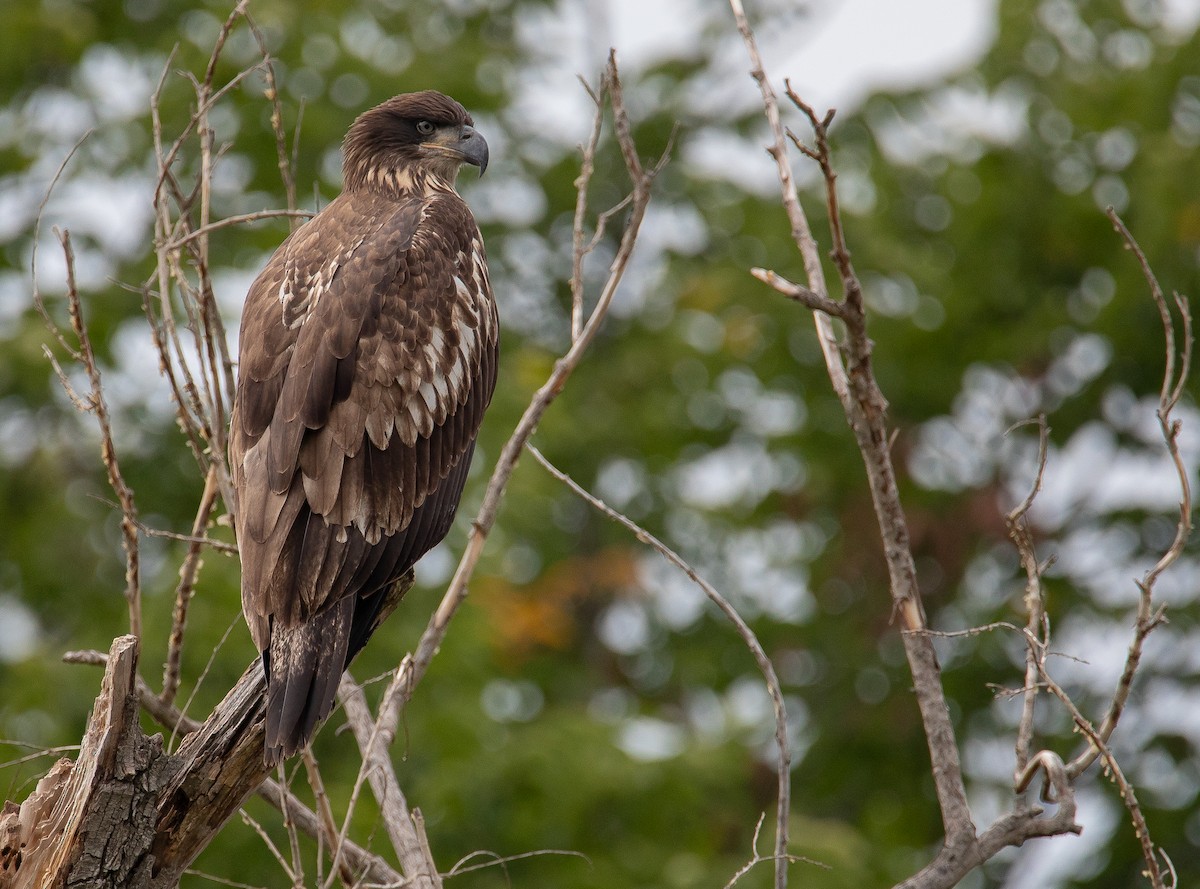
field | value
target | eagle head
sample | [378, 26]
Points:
[409, 138]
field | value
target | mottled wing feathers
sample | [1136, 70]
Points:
[367, 358]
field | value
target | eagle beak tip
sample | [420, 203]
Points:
[475, 149]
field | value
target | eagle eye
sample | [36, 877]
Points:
[424, 127]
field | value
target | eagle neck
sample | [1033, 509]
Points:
[399, 181]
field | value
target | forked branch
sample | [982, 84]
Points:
[865, 409]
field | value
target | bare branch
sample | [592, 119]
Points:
[587, 166]
[412, 849]
[1037, 626]
[1148, 616]
[783, 764]
[187, 588]
[1113, 769]
[810, 299]
[98, 405]
[865, 409]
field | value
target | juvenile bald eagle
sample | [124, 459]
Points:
[367, 357]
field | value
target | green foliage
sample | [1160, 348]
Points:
[703, 412]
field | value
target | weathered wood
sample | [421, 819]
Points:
[219, 766]
[90, 823]
[126, 814]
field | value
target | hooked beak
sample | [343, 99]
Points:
[474, 149]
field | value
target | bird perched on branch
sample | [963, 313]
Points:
[367, 357]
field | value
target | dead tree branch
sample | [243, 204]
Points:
[865, 409]
[95, 403]
[167, 806]
[774, 689]
[404, 826]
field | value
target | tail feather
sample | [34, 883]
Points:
[304, 665]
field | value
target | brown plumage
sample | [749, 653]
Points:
[367, 357]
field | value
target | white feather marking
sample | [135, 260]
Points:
[420, 419]
[430, 395]
[466, 342]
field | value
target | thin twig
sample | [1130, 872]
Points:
[238, 219]
[783, 764]
[187, 588]
[329, 833]
[756, 858]
[254, 825]
[494, 860]
[587, 166]
[810, 299]
[285, 163]
[98, 405]
[1037, 625]
[1148, 616]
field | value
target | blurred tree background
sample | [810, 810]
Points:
[588, 698]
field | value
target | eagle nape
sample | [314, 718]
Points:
[367, 357]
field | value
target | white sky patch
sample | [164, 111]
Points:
[651, 740]
[1132, 479]
[741, 473]
[710, 153]
[747, 702]
[18, 433]
[14, 299]
[1170, 707]
[116, 212]
[19, 630]
[847, 50]
[955, 121]
[119, 86]
[1180, 17]
[647, 33]
[767, 572]
[436, 566]
[56, 115]
[19, 199]
[891, 46]
[624, 627]
[510, 200]
[230, 287]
